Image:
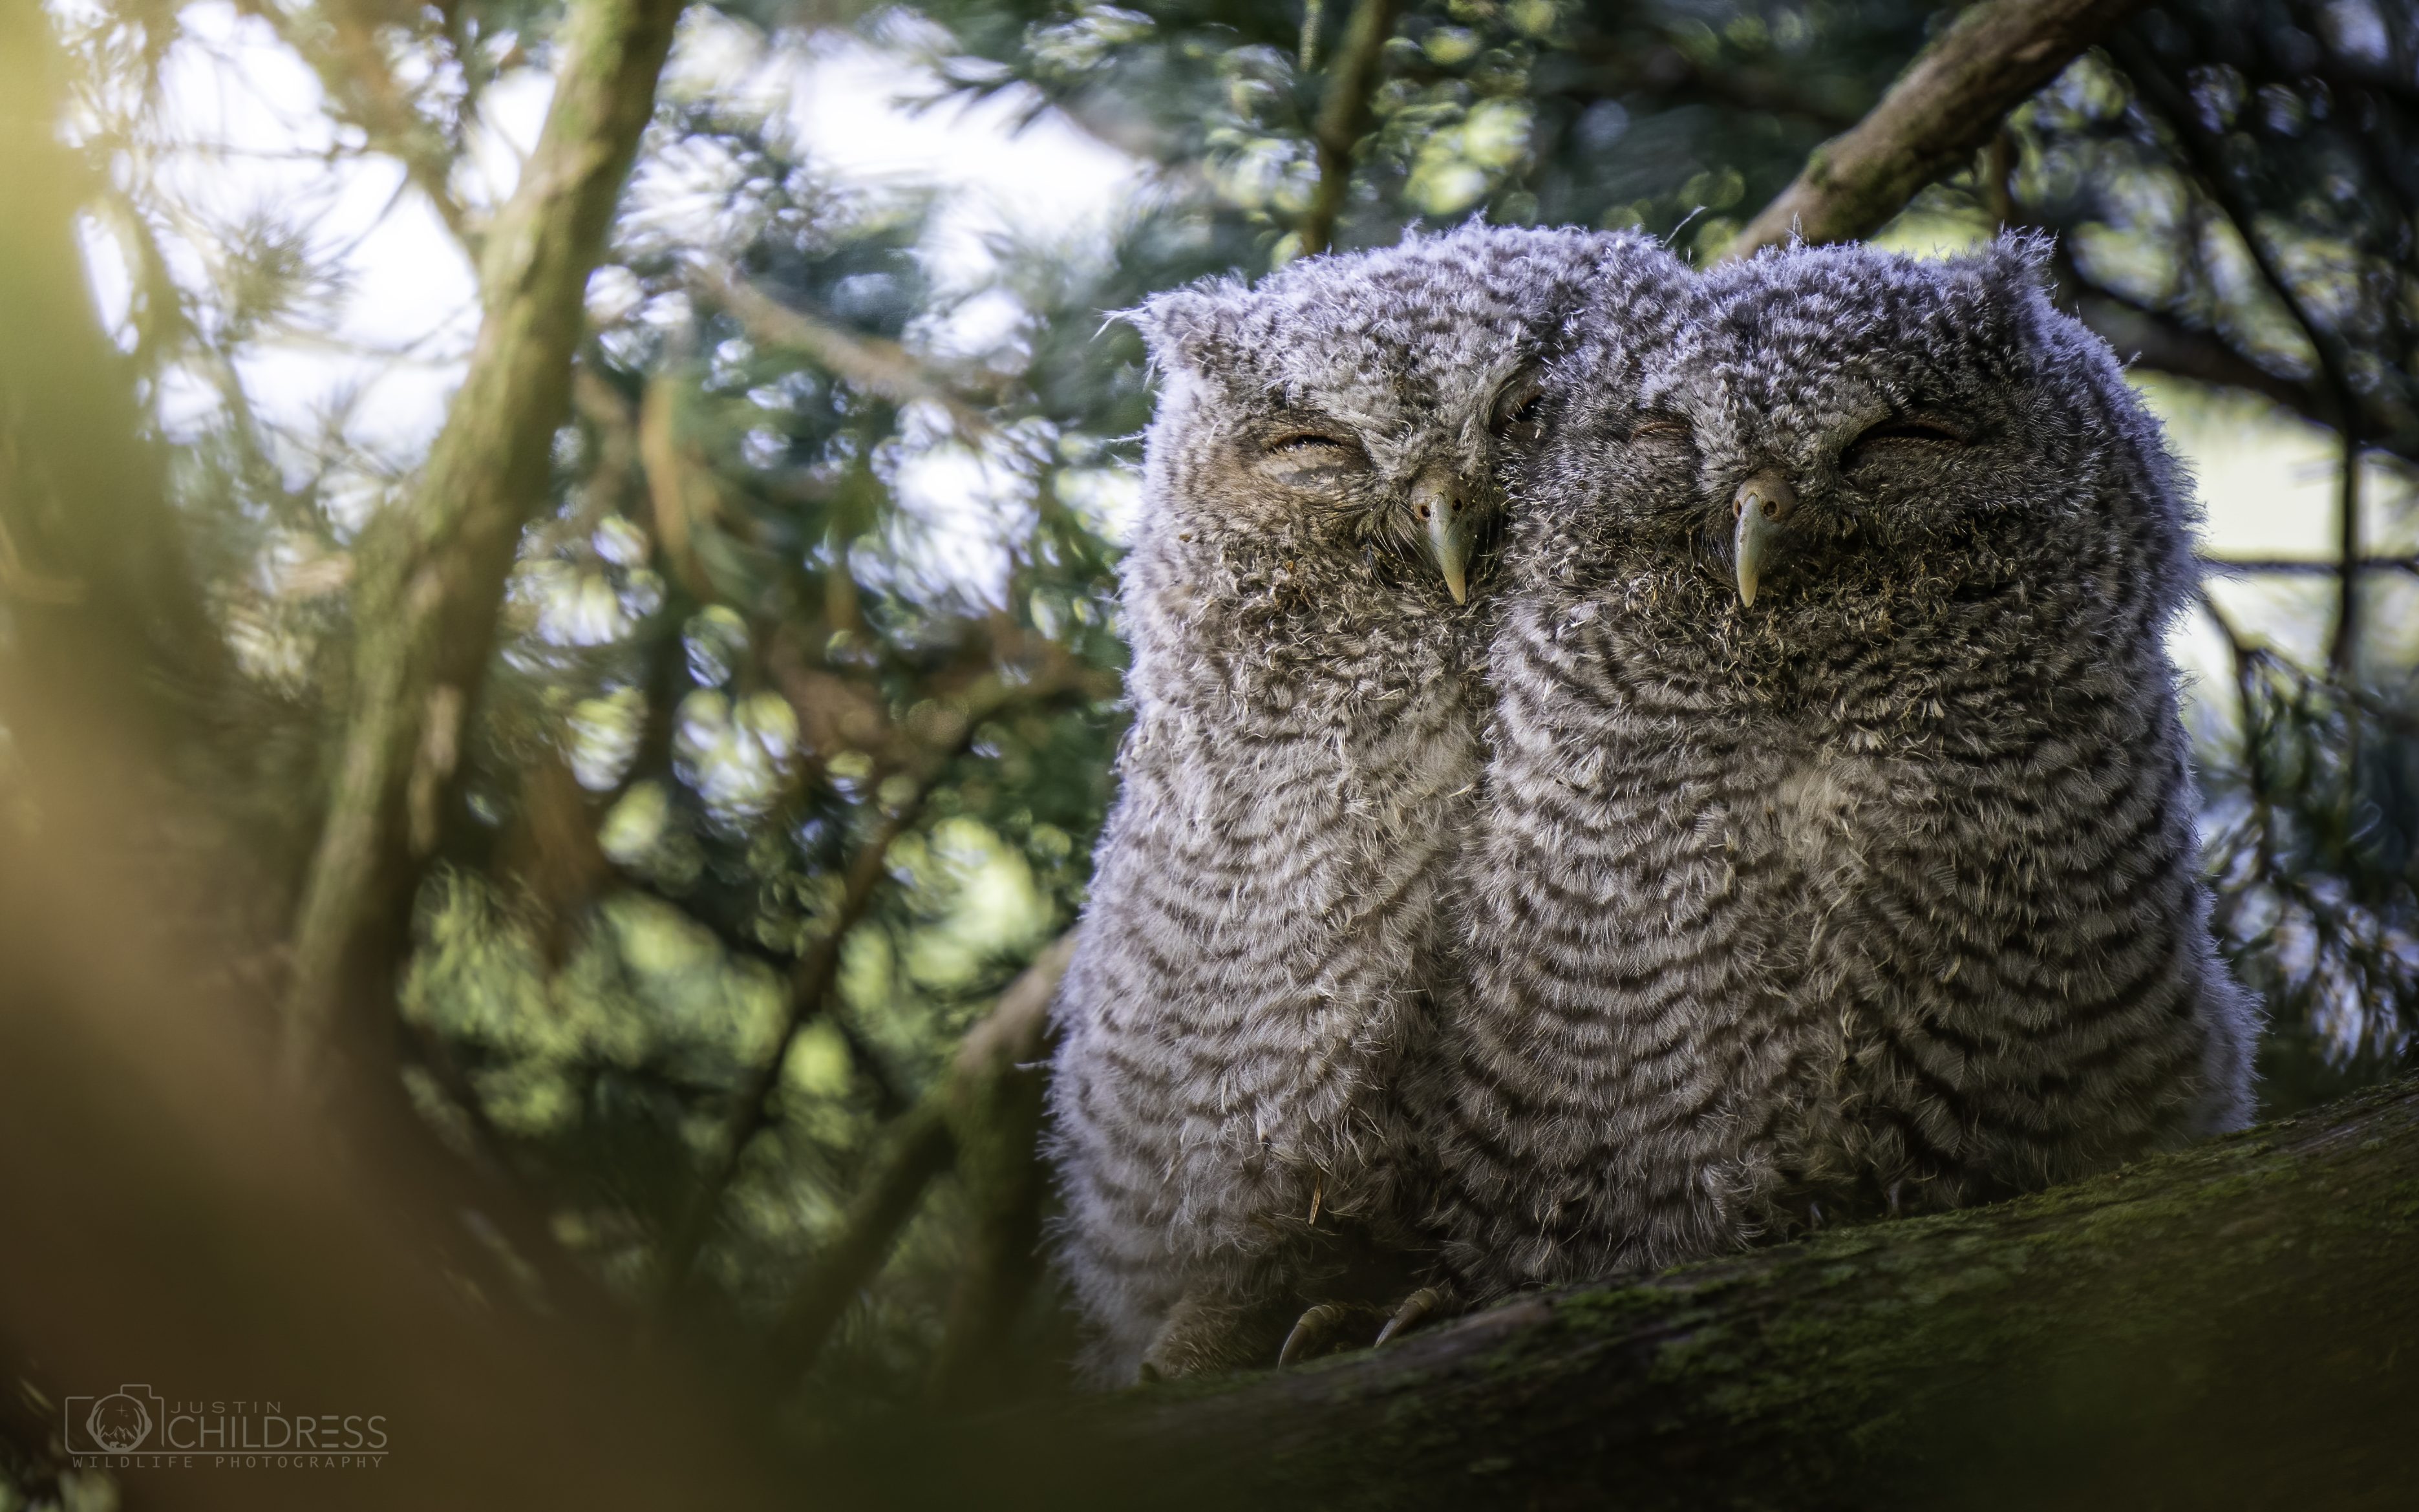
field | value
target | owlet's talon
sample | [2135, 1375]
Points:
[1416, 1309]
[1313, 1328]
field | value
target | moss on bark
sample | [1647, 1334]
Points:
[2234, 1326]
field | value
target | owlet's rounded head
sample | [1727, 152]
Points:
[1599, 465]
[1350, 420]
[1853, 438]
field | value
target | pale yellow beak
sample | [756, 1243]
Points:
[1449, 522]
[1763, 501]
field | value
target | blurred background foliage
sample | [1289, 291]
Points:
[815, 645]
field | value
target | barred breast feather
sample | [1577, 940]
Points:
[1255, 969]
[1877, 892]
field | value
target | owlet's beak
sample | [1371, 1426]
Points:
[1449, 522]
[1763, 503]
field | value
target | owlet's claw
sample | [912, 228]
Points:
[1311, 1330]
[1416, 1309]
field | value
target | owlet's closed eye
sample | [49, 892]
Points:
[1661, 445]
[1311, 459]
[1906, 437]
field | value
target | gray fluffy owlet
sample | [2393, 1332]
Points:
[1252, 973]
[1840, 850]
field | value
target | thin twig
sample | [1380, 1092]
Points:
[917, 1149]
[812, 979]
[957, 1120]
[870, 363]
[2201, 162]
[2303, 566]
[2246, 692]
[996, 1090]
[1342, 115]
[342, 50]
[2156, 340]
[2343, 647]
[811, 982]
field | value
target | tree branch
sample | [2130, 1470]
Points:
[172, 1201]
[1344, 115]
[2343, 645]
[983, 1116]
[950, 732]
[2201, 152]
[872, 364]
[2303, 567]
[93, 558]
[2231, 1325]
[2164, 344]
[341, 46]
[2158, 340]
[433, 572]
[1948, 103]
[994, 1096]
[2244, 661]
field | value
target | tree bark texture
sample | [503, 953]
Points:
[1950, 100]
[434, 569]
[2234, 1326]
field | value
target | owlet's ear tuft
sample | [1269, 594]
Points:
[1186, 328]
[2017, 265]
[2001, 293]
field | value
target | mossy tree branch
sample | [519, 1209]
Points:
[2232, 1325]
[434, 569]
[1947, 102]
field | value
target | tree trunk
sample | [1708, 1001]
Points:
[2234, 1325]
[433, 572]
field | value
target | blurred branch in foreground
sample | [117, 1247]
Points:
[205, 1228]
[93, 560]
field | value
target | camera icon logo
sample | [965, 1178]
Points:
[122, 1422]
